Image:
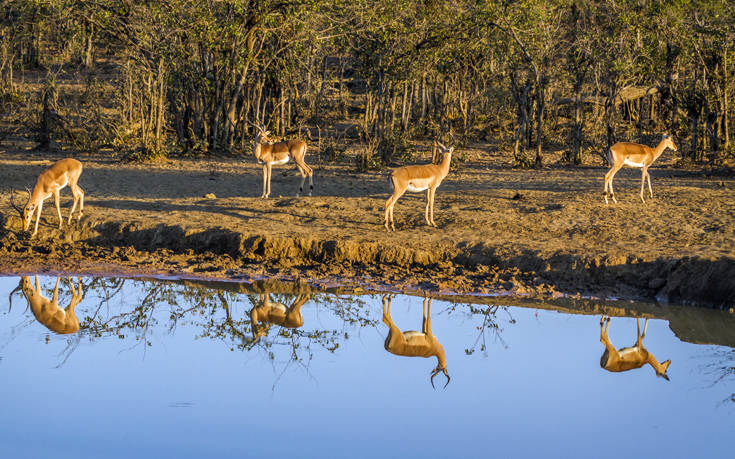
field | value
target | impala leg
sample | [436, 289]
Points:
[427, 316]
[73, 207]
[71, 286]
[389, 213]
[58, 207]
[650, 190]
[387, 319]
[431, 200]
[428, 202]
[78, 198]
[38, 218]
[265, 179]
[645, 326]
[303, 178]
[643, 182]
[390, 203]
[55, 298]
[605, 337]
[609, 182]
[81, 203]
[306, 171]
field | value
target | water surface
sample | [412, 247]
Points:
[159, 368]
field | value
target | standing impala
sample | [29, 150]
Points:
[50, 182]
[634, 155]
[48, 312]
[628, 358]
[275, 154]
[414, 343]
[416, 179]
[269, 312]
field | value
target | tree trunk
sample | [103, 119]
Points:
[540, 106]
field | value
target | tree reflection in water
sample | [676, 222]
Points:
[219, 314]
[722, 368]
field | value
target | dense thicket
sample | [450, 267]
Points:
[526, 76]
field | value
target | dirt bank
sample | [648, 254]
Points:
[527, 232]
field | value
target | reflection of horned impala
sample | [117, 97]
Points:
[629, 358]
[47, 311]
[268, 312]
[413, 343]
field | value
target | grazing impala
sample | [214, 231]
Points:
[416, 179]
[629, 358]
[48, 312]
[634, 155]
[269, 312]
[414, 343]
[275, 154]
[49, 183]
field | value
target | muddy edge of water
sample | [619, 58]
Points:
[111, 247]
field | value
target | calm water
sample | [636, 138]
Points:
[174, 369]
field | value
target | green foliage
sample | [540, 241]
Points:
[193, 75]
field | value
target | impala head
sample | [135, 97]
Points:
[661, 370]
[26, 214]
[436, 371]
[447, 150]
[23, 285]
[26, 286]
[669, 142]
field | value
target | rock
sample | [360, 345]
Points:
[210, 196]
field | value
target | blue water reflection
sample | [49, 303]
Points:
[176, 369]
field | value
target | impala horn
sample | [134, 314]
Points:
[10, 296]
[15, 206]
[436, 372]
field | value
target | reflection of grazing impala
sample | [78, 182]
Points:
[413, 343]
[269, 312]
[47, 311]
[629, 358]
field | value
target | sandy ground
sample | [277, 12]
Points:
[536, 232]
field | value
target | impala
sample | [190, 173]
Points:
[418, 178]
[48, 312]
[634, 155]
[628, 358]
[275, 154]
[414, 343]
[269, 312]
[49, 183]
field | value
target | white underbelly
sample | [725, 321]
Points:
[279, 307]
[630, 163]
[409, 334]
[416, 187]
[280, 161]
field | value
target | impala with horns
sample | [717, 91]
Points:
[268, 312]
[49, 183]
[275, 154]
[628, 358]
[48, 312]
[418, 178]
[634, 155]
[414, 343]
